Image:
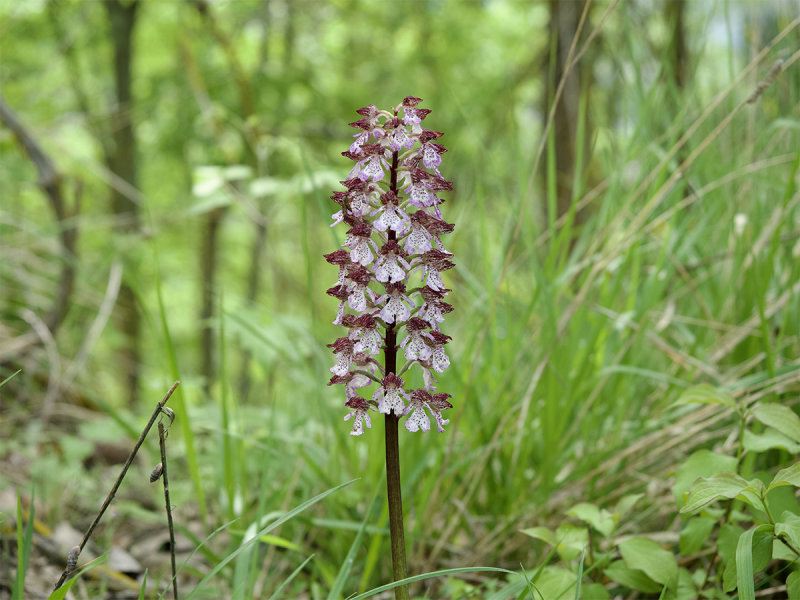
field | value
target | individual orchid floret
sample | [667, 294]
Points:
[358, 414]
[414, 116]
[431, 152]
[341, 294]
[359, 241]
[352, 382]
[390, 395]
[435, 403]
[391, 265]
[370, 162]
[433, 307]
[398, 137]
[414, 343]
[365, 331]
[357, 289]
[398, 305]
[438, 358]
[340, 258]
[358, 196]
[391, 217]
[434, 262]
[343, 346]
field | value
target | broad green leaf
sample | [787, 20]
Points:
[541, 533]
[702, 463]
[687, 590]
[769, 439]
[631, 578]
[571, 541]
[787, 476]
[650, 558]
[625, 504]
[555, 582]
[708, 489]
[595, 591]
[598, 518]
[753, 553]
[706, 394]
[780, 551]
[695, 533]
[789, 527]
[780, 417]
[793, 585]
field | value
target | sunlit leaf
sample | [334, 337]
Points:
[787, 476]
[708, 489]
[649, 557]
[706, 394]
[780, 417]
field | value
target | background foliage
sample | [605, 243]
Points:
[581, 315]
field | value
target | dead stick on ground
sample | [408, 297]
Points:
[162, 438]
[122, 474]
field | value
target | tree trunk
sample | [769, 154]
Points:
[121, 161]
[564, 18]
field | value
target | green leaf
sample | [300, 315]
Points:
[780, 417]
[727, 541]
[753, 553]
[650, 558]
[769, 439]
[793, 585]
[595, 591]
[554, 582]
[625, 504]
[789, 527]
[787, 476]
[541, 533]
[571, 541]
[631, 578]
[702, 463]
[601, 520]
[706, 394]
[695, 533]
[708, 489]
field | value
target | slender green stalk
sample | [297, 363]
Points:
[395, 506]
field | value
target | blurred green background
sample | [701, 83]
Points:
[638, 238]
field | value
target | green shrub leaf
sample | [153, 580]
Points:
[702, 463]
[789, 527]
[650, 558]
[793, 585]
[631, 578]
[780, 417]
[706, 394]
[598, 518]
[708, 489]
[787, 476]
[541, 533]
[695, 533]
[771, 438]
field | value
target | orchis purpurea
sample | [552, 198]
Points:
[390, 270]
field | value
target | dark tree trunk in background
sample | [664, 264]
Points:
[674, 12]
[564, 18]
[122, 163]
